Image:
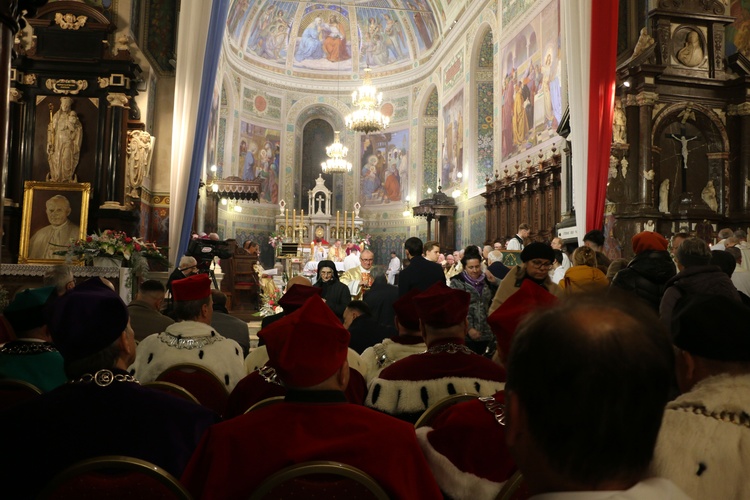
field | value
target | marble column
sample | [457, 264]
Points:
[115, 167]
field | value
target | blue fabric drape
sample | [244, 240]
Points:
[219, 10]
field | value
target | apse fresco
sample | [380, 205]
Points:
[382, 39]
[738, 33]
[237, 17]
[384, 172]
[452, 153]
[323, 39]
[423, 23]
[531, 97]
[259, 156]
[270, 34]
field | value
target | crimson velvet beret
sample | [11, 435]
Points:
[442, 307]
[506, 318]
[648, 240]
[297, 295]
[307, 346]
[87, 319]
[26, 312]
[406, 313]
[194, 287]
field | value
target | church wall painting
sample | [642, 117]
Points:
[429, 161]
[452, 152]
[237, 17]
[323, 39]
[531, 106]
[423, 23]
[270, 33]
[738, 33]
[382, 38]
[485, 133]
[259, 156]
[384, 174]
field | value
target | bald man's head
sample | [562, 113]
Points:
[298, 280]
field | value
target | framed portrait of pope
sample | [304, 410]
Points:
[54, 215]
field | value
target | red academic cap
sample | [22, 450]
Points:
[649, 240]
[194, 287]
[307, 346]
[406, 313]
[297, 295]
[442, 307]
[506, 318]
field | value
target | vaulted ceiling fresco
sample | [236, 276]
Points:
[320, 40]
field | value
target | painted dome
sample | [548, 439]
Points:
[319, 40]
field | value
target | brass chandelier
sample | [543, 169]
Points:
[367, 118]
[336, 162]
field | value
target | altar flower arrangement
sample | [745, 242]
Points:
[275, 240]
[269, 301]
[131, 251]
[363, 242]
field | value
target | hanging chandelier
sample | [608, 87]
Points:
[336, 162]
[367, 118]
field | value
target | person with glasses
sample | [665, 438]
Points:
[335, 293]
[536, 261]
[359, 279]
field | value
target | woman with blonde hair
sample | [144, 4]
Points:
[584, 276]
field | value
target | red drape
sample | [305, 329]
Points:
[601, 106]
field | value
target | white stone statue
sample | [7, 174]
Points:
[649, 226]
[619, 124]
[644, 41]
[648, 174]
[122, 43]
[624, 167]
[139, 150]
[613, 161]
[708, 195]
[691, 54]
[664, 196]
[683, 142]
[64, 136]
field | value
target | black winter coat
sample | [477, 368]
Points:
[647, 275]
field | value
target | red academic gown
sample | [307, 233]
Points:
[412, 384]
[465, 447]
[233, 459]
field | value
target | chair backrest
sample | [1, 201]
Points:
[172, 389]
[14, 391]
[320, 480]
[200, 382]
[433, 411]
[515, 488]
[115, 478]
[265, 402]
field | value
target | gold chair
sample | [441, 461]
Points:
[114, 477]
[13, 391]
[320, 480]
[514, 488]
[172, 389]
[433, 411]
[265, 402]
[199, 381]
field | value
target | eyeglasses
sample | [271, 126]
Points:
[542, 264]
[366, 260]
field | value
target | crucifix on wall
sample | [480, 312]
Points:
[683, 139]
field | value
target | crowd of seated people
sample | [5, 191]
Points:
[586, 389]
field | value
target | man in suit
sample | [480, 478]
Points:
[145, 317]
[380, 299]
[420, 273]
[227, 325]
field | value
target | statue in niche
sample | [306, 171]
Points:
[691, 54]
[619, 124]
[664, 196]
[139, 157]
[624, 167]
[64, 136]
[708, 195]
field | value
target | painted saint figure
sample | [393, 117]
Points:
[64, 137]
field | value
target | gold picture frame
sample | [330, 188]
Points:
[43, 228]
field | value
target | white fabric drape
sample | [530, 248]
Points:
[577, 24]
[195, 17]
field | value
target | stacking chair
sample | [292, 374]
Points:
[320, 480]
[200, 382]
[265, 402]
[115, 478]
[514, 488]
[14, 391]
[433, 411]
[173, 389]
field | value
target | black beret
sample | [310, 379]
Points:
[537, 250]
[695, 328]
[26, 312]
[87, 319]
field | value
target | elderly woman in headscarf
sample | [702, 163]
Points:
[472, 280]
[335, 293]
[536, 261]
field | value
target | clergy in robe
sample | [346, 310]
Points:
[308, 351]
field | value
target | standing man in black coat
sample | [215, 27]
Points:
[421, 273]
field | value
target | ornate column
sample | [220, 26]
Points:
[115, 168]
[743, 111]
[16, 126]
[645, 102]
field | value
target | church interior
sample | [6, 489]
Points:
[472, 133]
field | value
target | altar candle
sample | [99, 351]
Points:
[286, 222]
[344, 224]
[301, 218]
[294, 220]
[338, 212]
[352, 226]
